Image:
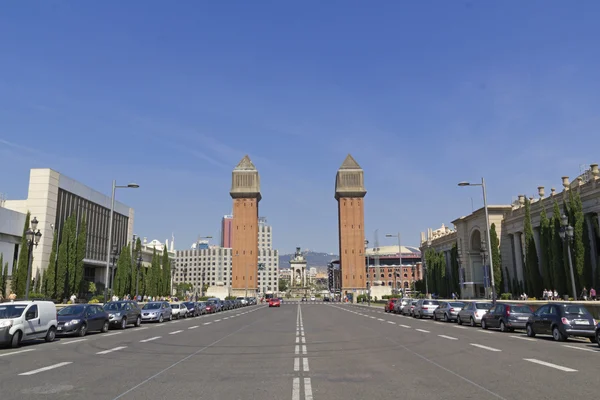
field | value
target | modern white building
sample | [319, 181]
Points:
[212, 266]
[52, 197]
[11, 230]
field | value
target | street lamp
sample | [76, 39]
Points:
[399, 261]
[367, 275]
[566, 234]
[110, 229]
[33, 236]
[114, 254]
[487, 229]
[425, 271]
[137, 277]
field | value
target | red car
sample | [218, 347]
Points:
[389, 306]
[274, 303]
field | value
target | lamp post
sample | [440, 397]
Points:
[367, 275]
[399, 261]
[114, 256]
[566, 234]
[173, 281]
[110, 229]
[487, 229]
[425, 272]
[33, 236]
[137, 276]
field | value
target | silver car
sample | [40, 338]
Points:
[399, 304]
[448, 310]
[472, 312]
[425, 308]
[157, 311]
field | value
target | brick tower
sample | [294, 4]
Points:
[350, 192]
[245, 192]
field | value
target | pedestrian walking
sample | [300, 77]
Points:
[584, 293]
[593, 294]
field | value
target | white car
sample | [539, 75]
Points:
[179, 310]
[312, 298]
[27, 320]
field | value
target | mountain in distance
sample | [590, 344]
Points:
[313, 258]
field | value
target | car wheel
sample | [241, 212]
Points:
[171, 317]
[472, 322]
[458, 320]
[138, 321]
[446, 319]
[483, 324]
[434, 317]
[503, 327]
[123, 323]
[557, 335]
[82, 330]
[16, 340]
[160, 319]
[530, 331]
[598, 338]
[51, 335]
[104, 327]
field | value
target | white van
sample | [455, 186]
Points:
[27, 320]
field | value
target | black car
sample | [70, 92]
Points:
[78, 319]
[562, 320]
[192, 307]
[507, 317]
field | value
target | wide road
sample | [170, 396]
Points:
[300, 352]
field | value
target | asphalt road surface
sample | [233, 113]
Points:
[301, 351]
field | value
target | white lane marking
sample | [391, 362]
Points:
[448, 337]
[141, 329]
[217, 320]
[175, 332]
[296, 389]
[193, 327]
[150, 339]
[16, 352]
[307, 389]
[297, 339]
[460, 327]
[484, 331]
[111, 334]
[296, 364]
[438, 323]
[303, 339]
[371, 317]
[35, 371]
[226, 318]
[523, 338]
[297, 350]
[580, 348]
[484, 347]
[422, 330]
[302, 333]
[111, 350]
[303, 349]
[75, 341]
[380, 319]
[547, 364]
[405, 326]
[391, 322]
[305, 365]
[207, 323]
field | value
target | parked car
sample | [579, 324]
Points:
[598, 333]
[425, 308]
[192, 307]
[274, 303]
[507, 317]
[409, 308]
[123, 313]
[401, 303]
[562, 320]
[27, 320]
[472, 312]
[448, 310]
[78, 319]
[389, 306]
[179, 310]
[157, 311]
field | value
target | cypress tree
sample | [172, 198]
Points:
[122, 278]
[496, 259]
[166, 272]
[531, 259]
[137, 274]
[454, 268]
[596, 225]
[578, 249]
[81, 244]
[545, 252]
[4, 279]
[559, 276]
[64, 269]
[49, 286]
[19, 276]
[2, 291]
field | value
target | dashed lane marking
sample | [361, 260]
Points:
[484, 347]
[112, 350]
[448, 337]
[150, 339]
[422, 330]
[36, 371]
[550, 365]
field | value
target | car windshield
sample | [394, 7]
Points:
[189, 304]
[520, 309]
[483, 306]
[174, 305]
[576, 310]
[114, 306]
[151, 306]
[457, 304]
[71, 310]
[11, 311]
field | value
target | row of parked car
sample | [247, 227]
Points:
[561, 320]
[28, 320]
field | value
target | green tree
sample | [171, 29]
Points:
[532, 284]
[455, 284]
[65, 258]
[545, 249]
[559, 276]
[4, 279]
[576, 219]
[496, 259]
[136, 276]
[283, 285]
[19, 276]
[166, 273]
[596, 225]
[49, 285]
[123, 274]
[2, 291]
[78, 270]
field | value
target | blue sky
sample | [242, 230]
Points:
[422, 94]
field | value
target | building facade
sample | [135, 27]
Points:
[11, 231]
[386, 269]
[226, 231]
[52, 198]
[349, 193]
